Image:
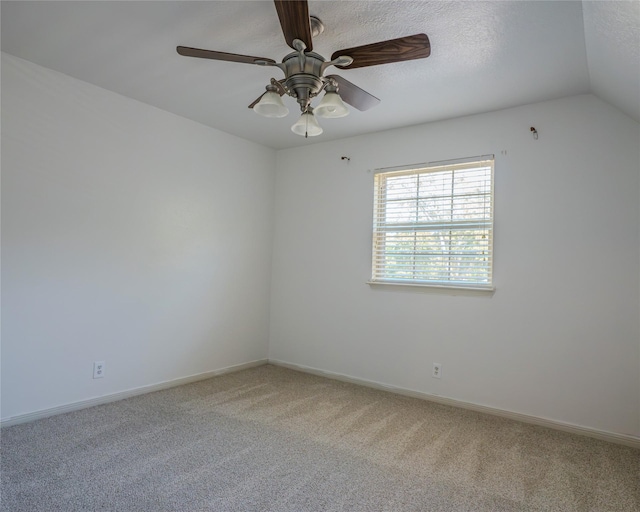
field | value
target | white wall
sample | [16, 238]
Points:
[559, 339]
[137, 237]
[129, 235]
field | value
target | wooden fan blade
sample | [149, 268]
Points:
[385, 52]
[353, 95]
[294, 20]
[210, 54]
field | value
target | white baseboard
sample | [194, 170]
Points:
[113, 397]
[612, 437]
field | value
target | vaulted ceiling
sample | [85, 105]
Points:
[484, 56]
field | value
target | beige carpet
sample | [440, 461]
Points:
[271, 439]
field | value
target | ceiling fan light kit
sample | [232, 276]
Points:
[331, 105]
[307, 125]
[270, 104]
[304, 69]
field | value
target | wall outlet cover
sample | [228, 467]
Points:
[98, 369]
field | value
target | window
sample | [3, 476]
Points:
[433, 225]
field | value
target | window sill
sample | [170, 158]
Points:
[435, 288]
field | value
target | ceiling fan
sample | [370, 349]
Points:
[304, 69]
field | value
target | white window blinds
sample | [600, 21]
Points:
[433, 225]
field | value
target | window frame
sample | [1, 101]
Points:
[482, 223]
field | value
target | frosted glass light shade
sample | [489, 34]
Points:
[307, 126]
[331, 106]
[270, 105]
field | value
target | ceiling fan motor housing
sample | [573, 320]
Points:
[303, 72]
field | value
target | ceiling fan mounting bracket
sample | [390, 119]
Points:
[298, 45]
[317, 27]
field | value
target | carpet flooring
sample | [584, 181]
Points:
[272, 439]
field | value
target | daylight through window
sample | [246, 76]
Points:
[433, 225]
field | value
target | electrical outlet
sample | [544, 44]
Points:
[98, 369]
[437, 371]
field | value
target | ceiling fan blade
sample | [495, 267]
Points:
[294, 20]
[210, 54]
[385, 52]
[353, 95]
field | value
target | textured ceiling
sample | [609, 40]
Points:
[612, 37]
[485, 56]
